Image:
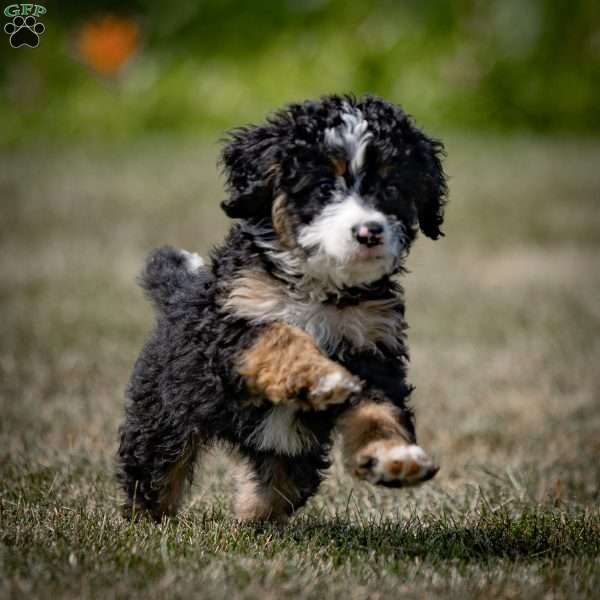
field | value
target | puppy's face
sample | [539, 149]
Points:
[346, 212]
[345, 184]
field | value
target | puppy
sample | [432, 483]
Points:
[296, 326]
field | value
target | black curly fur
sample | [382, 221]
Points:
[185, 391]
[166, 278]
[291, 137]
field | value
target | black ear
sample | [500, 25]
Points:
[249, 162]
[433, 191]
[419, 156]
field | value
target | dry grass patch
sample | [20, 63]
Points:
[505, 339]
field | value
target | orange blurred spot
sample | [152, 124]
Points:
[107, 43]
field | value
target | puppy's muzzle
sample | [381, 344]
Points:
[370, 233]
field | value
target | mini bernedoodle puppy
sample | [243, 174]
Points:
[296, 329]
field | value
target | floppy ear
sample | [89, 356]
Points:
[432, 192]
[418, 153]
[249, 162]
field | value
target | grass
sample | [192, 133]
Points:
[505, 339]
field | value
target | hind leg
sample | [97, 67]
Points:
[272, 488]
[156, 464]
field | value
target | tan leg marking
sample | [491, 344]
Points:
[285, 365]
[340, 166]
[377, 448]
[174, 484]
[257, 502]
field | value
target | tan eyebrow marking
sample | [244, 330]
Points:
[282, 222]
[341, 166]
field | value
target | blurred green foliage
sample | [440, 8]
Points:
[204, 66]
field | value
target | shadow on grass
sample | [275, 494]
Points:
[56, 501]
[531, 534]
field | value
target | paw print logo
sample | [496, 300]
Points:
[24, 31]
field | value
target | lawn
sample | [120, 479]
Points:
[505, 344]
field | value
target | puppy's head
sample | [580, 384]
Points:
[346, 183]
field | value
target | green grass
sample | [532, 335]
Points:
[505, 340]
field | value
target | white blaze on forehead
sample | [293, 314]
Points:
[352, 137]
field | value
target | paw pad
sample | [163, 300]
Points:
[24, 31]
[394, 464]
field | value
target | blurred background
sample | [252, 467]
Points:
[111, 69]
[109, 135]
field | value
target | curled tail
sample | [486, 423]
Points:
[168, 272]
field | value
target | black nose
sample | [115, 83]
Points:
[369, 233]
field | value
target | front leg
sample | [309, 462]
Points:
[378, 433]
[379, 447]
[284, 365]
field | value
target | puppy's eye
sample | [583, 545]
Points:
[325, 187]
[390, 190]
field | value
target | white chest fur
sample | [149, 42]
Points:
[281, 432]
[256, 297]
[259, 299]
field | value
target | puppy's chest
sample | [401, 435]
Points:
[361, 326]
[364, 326]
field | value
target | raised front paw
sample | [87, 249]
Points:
[333, 387]
[393, 464]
